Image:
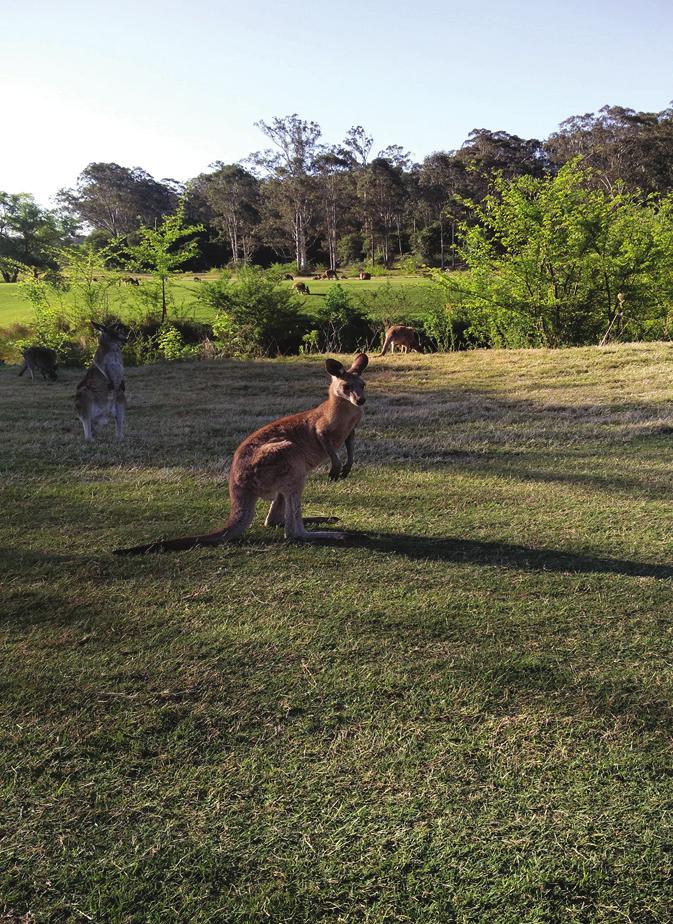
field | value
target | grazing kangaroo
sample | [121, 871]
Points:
[101, 393]
[400, 335]
[273, 462]
[39, 359]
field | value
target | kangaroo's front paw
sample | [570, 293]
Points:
[334, 473]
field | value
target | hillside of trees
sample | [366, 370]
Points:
[305, 200]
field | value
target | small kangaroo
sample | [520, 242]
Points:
[274, 461]
[101, 393]
[39, 359]
[404, 337]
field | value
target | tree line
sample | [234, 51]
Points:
[307, 201]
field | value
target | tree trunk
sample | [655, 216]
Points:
[164, 312]
[441, 242]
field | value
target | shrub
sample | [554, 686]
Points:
[257, 315]
[350, 248]
[548, 257]
[410, 264]
[171, 345]
[278, 271]
[342, 325]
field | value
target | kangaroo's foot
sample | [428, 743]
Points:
[294, 524]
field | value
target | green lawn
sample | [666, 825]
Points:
[398, 296]
[462, 713]
[13, 308]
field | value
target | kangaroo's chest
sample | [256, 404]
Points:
[339, 427]
[113, 368]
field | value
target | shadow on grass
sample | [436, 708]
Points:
[502, 555]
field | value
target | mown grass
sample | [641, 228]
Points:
[461, 713]
[406, 297]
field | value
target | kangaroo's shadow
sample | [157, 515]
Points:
[502, 555]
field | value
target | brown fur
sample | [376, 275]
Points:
[302, 288]
[365, 275]
[39, 359]
[329, 274]
[400, 335]
[274, 461]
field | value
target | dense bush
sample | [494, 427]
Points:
[342, 326]
[256, 314]
[548, 258]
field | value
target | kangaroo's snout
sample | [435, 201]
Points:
[361, 401]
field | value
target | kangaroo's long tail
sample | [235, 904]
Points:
[241, 516]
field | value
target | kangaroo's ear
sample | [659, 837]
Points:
[359, 363]
[335, 368]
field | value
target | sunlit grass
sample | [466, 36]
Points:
[462, 713]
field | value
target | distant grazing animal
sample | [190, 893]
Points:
[317, 276]
[365, 276]
[404, 337]
[197, 279]
[39, 359]
[273, 462]
[329, 274]
[288, 276]
[101, 393]
[302, 288]
[131, 281]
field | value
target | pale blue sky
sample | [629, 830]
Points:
[174, 86]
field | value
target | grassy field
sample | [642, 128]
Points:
[462, 713]
[397, 296]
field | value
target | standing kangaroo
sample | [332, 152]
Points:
[39, 359]
[273, 462]
[101, 393]
[402, 336]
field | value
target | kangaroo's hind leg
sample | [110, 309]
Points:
[276, 514]
[294, 525]
[120, 417]
[85, 414]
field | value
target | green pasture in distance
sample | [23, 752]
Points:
[406, 297]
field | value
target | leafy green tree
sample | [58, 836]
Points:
[29, 234]
[230, 194]
[290, 167]
[118, 200]
[549, 256]
[619, 144]
[335, 191]
[162, 250]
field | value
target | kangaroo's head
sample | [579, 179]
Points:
[112, 334]
[347, 383]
